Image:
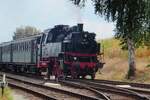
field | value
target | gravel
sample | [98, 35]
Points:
[22, 95]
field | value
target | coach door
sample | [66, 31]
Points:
[41, 44]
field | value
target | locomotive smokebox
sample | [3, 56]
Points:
[80, 27]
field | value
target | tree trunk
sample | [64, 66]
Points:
[131, 55]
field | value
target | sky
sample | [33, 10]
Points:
[44, 14]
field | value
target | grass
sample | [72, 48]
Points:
[113, 49]
[7, 94]
[116, 60]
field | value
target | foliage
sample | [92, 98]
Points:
[79, 2]
[26, 31]
[147, 39]
[132, 18]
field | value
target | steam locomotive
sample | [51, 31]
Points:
[59, 51]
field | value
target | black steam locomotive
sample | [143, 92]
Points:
[59, 51]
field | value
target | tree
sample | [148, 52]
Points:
[26, 31]
[132, 23]
[147, 39]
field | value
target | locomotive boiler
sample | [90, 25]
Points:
[59, 51]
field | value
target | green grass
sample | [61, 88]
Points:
[7, 94]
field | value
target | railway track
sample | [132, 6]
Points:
[131, 94]
[101, 94]
[140, 85]
[137, 87]
[103, 89]
[48, 93]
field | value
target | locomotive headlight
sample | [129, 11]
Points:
[75, 58]
[85, 35]
[84, 40]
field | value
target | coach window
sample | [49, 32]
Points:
[28, 46]
[43, 38]
[14, 47]
[38, 40]
[23, 46]
[6, 50]
[17, 47]
[9, 48]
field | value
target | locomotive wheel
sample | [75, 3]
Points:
[73, 72]
[83, 76]
[78, 76]
[38, 72]
[93, 76]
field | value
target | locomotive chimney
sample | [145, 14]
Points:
[80, 27]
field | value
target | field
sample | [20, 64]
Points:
[116, 60]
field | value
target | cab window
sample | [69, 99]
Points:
[49, 38]
[38, 40]
[43, 38]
